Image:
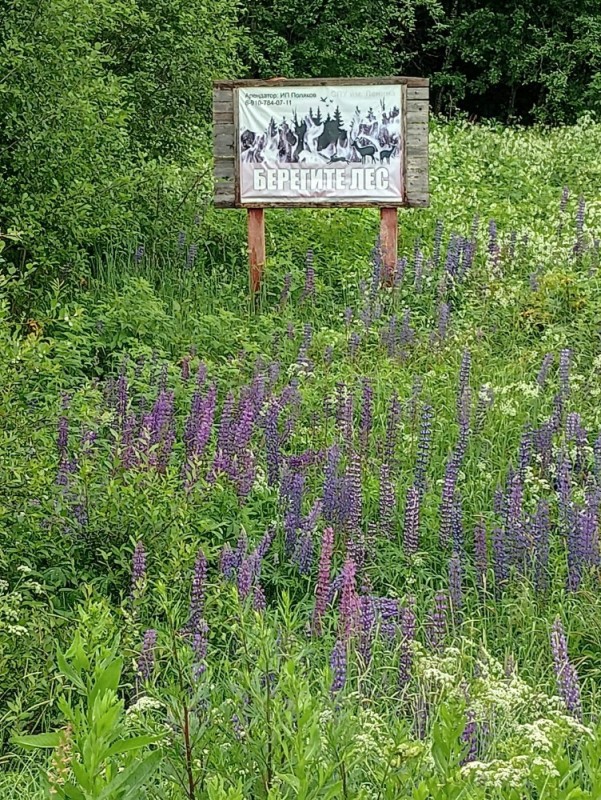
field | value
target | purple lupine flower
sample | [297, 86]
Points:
[437, 242]
[469, 738]
[485, 402]
[348, 601]
[272, 443]
[564, 371]
[500, 558]
[464, 378]
[197, 594]
[122, 398]
[328, 355]
[354, 342]
[408, 625]
[181, 240]
[456, 584]
[437, 622]
[366, 422]
[285, 293]
[304, 554]
[525, 451]
[389, 613]
[565, 672]
[293, 517]
[451, 265]
[447, 500]
[366, 626]
[418, 270]
[191, 255]
[480, 555]
[517, 538]
[259, 600]
[227, 562]
[563, 203]
[201, 375]
[541, 529]
[338, 660]
[241, 549]
[406, 333]
[245, 577]
[355, 496]
[145, 664]
[185, 368]
[392, 426]
[493, 246]
[62, 439]
[423, 449]
[138, 569]
[139, 253]
[564, 493]
[390, 336]
[323, 579]
[386, 502]
[442, 323]
[331, 484]
[348, 316]
[411, 526]
[579, 246]
[545, 367]
[457, 525]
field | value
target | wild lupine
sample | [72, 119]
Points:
[185, 368]
[62, 439]
[411, 527]
[348, 601]
[191, 255]
[323, 579]
[392, 426]
[181, 240]
[386, 502]
[564, 493]
[285, 293]
[516, 534]
[197, 594]
[259, 600]
[564, 371]
[304, 553]
[525, 451]
[366, 626]
[366, 422]
[484, 403]
[545, 367]
[464, 378]
[464, 424]
[389, 613]
[390, 335]
[437, 622]
[406, 333]
[138, 569]
[423, 449]
[145, 664]
[338, 663]
[452, 258]
[293, 518]
[328, 355]
[245, 577]
[442, 323]
[309, 288]
[354, 342]
[446, 504]
[456, 584]
[227, 561]
[469, 738]
[565, 672]
[331, 484]
[139, 253]
[408, 624]
[418, 270]
[480, 555]
[457, 525]
[355, 496]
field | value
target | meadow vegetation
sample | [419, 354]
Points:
[341, 545]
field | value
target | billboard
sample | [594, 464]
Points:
[322, 144]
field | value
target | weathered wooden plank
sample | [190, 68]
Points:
[223, 108]
[223, 118]
[222, 94]
[225, 129]
[417, 93]
[223, 145]
[412, 81]
[224, 169]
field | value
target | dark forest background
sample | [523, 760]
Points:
[105, 104]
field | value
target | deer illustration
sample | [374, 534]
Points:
[368, 151]
[385, 154]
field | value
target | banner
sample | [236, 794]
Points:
[320, 144]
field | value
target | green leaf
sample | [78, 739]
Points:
[68, 671]
[108, 680]
[38, 740]
[131, 778]
[136, 742]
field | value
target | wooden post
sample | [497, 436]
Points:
[389, 231]
[256, 247]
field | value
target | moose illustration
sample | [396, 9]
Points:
[386, 153]
[369, 151]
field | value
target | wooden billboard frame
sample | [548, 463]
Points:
[415, 164]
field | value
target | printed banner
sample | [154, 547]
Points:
[322, 144]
